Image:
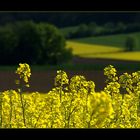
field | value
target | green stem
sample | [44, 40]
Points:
[90, 119]
[70, 115]
[23, 110]
[1, 107]
[60, 94]
[22, 105]
[38, 119]
[52, 114]
[11, 109]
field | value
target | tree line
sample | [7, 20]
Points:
[66, 19]
[33, 43]
[109, 28]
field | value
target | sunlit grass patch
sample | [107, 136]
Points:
[87, 49]
[130, 56]
[101, 51]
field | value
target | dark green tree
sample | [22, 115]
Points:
[92, 29]
[8, 42]
[109, 28]
[130, 43]
[120, 27]
[53, 45]
[29, 43]
[82, 31]
[26, 41]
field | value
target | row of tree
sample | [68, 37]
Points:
[65, 19]
[92, 29]
[32, 43]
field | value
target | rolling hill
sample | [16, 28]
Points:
[111, 40]
[85, 50]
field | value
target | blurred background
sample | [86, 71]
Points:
[81, 43]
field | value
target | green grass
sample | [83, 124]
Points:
[8, 68]
[37, 68]
[111, 40]
[40, 68]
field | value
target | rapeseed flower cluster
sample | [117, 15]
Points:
[73, 103]
[24, 73]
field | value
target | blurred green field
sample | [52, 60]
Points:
[111, 40]
[130, 56]
[105, 47]
[84, 49]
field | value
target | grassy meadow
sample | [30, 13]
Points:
[106, 47]
[84, 49]
[102, 51]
